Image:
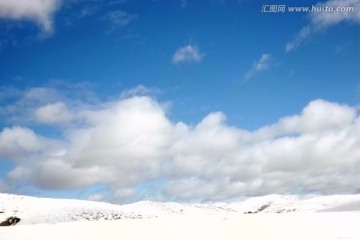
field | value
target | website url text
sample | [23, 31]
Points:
[313, 8]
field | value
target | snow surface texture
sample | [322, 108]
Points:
[328, 217]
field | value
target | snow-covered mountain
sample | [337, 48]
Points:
[285, 204]
[33, 210]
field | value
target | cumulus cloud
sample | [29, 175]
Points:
[53, 113]
[188, 53]
[53, 172]
[41, 94]
[19, 140]
[128, 136]
[131, 141]
[260, 65]
[46, 105]
[39, 11]
[321, 20]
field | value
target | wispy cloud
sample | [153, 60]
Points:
[325, 19]
[188, 53]
[39, 11]
[140, 90]
[260, 65]
[45, 105]
[88, 11]
[118, 19]
[321, 20]
[299, 38]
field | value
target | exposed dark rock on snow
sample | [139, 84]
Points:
[10, 221]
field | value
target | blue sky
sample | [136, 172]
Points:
[187, 100]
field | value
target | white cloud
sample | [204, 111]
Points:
[17, 140]
[51, 172]
[131, 141]
[46, 105]
[188, 53]
[325, 18]
[130, 135]
[40, 94]
[126, 136]
[53, 113]
[320, 20]
[39, 11]
[314, 117]
[260, 65]
[195, 149]
[312, 120]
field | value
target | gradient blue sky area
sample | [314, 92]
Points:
[252, 66]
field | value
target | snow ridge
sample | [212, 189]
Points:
[34, 210]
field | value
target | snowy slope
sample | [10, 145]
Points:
[33, 210]
[44, 210]
[283, 204]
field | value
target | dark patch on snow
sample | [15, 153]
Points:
[10, 221]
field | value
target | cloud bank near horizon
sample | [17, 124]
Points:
[130, 141]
